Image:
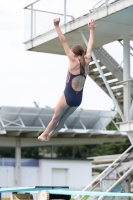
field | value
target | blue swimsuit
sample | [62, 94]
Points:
[73, 98]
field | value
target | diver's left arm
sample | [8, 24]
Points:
[91, 27]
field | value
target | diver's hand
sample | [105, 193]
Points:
[92, 25]
[56, 21]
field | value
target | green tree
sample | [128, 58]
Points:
[30, 152]
[7, 152]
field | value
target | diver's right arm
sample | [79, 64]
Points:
[63, 40]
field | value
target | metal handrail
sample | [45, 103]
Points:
[110, 57]
[31, 4]
[50, 12]
[101, 175]
[115, 168]
[104, 2]
[34, 10]
[117, 182]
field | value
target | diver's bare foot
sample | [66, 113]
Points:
[43, 138]
[50, 135]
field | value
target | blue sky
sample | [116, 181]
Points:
[30, 76]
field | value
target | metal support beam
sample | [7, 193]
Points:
[17, 162]
[131, 111]
[103, 174]
[115, 125]
[126, 76]
[104, 79]
[52, 151]
[82, 124]
[118, 182]
[130, 136]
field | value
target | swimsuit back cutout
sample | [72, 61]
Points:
[73, 97]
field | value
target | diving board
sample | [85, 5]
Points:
[63, 191]
[34, 189]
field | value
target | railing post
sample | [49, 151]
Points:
[31, 36]
[106, 2]
[34, 23]
[65, 11]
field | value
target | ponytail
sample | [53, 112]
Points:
[79, 51]
[82, 65]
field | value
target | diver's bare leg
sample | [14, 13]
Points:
[60, 124]
[59, 111]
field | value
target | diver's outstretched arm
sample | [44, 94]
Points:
[63, 40]
[91, 27]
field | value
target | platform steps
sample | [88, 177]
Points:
[112, 71]
[122, 177]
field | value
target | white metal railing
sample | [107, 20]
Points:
[38, 21]
[38, 18]
[110, 57]
[35, 28]
[102, 3]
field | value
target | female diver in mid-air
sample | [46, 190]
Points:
[77, 72]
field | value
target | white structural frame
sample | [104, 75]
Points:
[102, 3]
[126, 77]
[14, 121]
[127, 124]
[127, 113]
[103, 174]
[104, 79]
[34, 119]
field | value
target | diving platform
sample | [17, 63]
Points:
[63, 191]
[114, 23]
